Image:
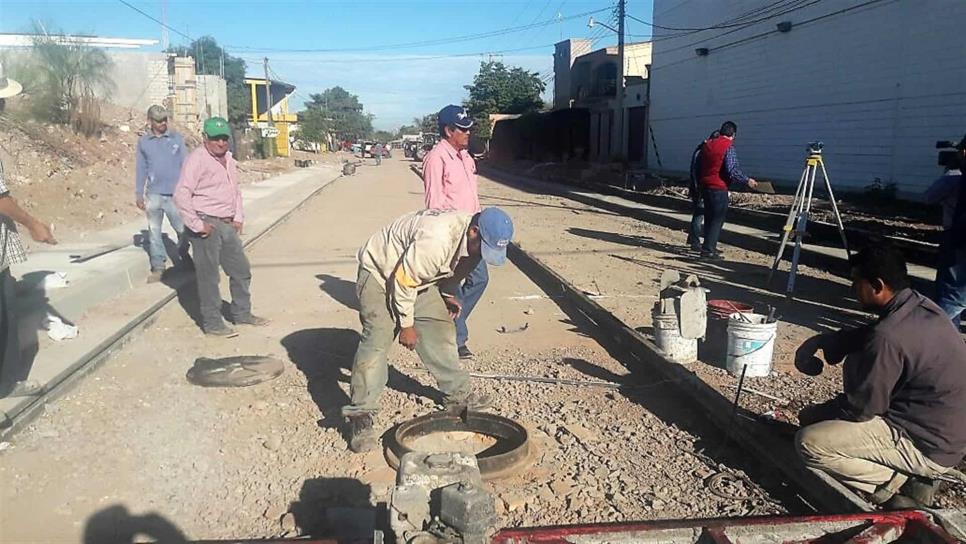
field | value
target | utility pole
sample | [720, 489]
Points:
[621, 125]
[268, 96]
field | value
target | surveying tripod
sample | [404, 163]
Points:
[798, 216]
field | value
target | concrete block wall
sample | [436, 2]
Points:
[879, 83]
[140, 79]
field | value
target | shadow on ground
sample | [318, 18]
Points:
[116, 525]
[337, 508]
[325, 357]
[342, 291]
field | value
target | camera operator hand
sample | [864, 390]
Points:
[752, 183]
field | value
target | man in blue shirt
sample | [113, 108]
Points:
[160, 154]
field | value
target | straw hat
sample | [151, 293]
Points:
[8, 87]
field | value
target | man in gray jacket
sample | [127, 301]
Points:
[409, 272]
[899, 423]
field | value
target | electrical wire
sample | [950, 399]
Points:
[425, 43]
[176, 31]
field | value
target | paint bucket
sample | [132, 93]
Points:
[714, 348]
[750, 345]
[667, 336]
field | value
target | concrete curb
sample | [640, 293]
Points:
[27, 408]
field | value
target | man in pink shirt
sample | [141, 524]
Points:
[449, 179]
[209, 201]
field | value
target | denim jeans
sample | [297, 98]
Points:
[221, 248]
[697, 223]
[436, 345]
[951, 281]
[469, 294]
[715, 208]
[157, 207]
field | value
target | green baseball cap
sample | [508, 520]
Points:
[216, 126]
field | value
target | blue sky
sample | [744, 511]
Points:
[369, 46]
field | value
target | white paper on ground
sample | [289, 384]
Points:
[58, 330]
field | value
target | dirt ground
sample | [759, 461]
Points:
[619, 260]
[136, 448]
[83, 185]
[871, 211]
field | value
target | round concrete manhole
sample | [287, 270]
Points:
[501, 445]
[238, 371]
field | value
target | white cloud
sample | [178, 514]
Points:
[394, 88]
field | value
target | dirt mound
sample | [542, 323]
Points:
[83, 185]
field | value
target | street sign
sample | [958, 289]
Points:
[269, 132]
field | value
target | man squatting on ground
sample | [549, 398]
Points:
[719, 171]
[408, 275]
[158, 160]
[449, 181]
[901, 421]
[210, 203]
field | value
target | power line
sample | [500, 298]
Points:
[425, 43]
[163, 25]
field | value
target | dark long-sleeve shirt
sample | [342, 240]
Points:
[158, 163]
[732, 169]
[909, 367]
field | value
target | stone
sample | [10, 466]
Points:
[513, 501]
[259, 405]
[581, 433]
[562, 488]
[273, 443]
[273, 512]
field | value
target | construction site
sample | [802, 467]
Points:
[641, 387]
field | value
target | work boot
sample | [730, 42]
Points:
[712, 256]
[916, 493]
[362, 437]
[465, 353]
[252, 320]
[474, 402]
[155, 275]
[223, 331]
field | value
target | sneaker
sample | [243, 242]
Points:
[474, 402]
[715, 256]
[224, 331]
[362, 437]
[465, 353]
[252, 320]
[155, 275]
[916, 493]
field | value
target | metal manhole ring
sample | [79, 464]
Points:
[509, 455]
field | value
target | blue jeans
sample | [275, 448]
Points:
[157, 207]
[697, 223]
[469, 294]
[715, 208]
[951, 281]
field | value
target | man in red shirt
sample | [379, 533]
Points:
[718, 171]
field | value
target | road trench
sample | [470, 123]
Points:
[135, 438]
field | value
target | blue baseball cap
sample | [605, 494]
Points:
[496, 231]
[456, 116]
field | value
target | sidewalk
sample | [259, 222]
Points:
[107, 296]
[735, 234]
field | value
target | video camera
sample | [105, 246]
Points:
[815, 148]
[950, 154]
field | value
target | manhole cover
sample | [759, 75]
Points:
[238, 371]
[501, 445]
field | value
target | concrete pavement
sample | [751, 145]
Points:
[108, 296]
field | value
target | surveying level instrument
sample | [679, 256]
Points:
[798, 216]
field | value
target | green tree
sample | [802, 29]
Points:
[499, 89]
[428, 123]
[64, 76]
[408, 129]
[335, 111]
[208, 57]
[383, 136]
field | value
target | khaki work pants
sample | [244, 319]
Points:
[864, 456]
[436, 346]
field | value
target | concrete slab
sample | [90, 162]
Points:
[115, 283]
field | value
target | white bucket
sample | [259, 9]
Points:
[667, 336]
[750, 345]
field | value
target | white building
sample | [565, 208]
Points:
[878, 81]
